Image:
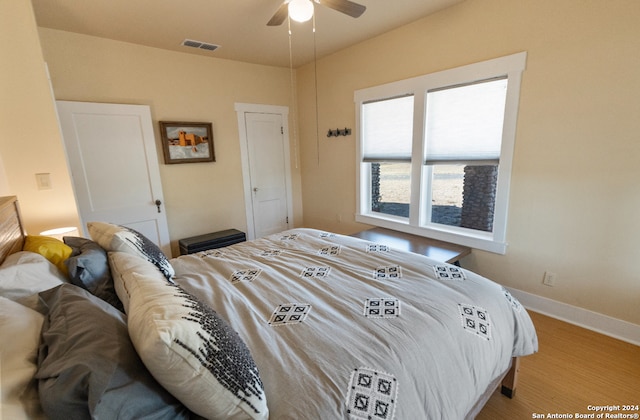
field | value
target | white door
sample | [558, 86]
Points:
[114, 166]
[267, 169]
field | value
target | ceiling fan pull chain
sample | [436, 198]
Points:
[315, 78]
[294, 100]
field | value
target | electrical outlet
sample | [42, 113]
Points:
[549, 278]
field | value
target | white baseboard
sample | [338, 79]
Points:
[613, 327]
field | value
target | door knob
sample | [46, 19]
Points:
[255, 189]
[158, 203]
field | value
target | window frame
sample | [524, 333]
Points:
[511, 67]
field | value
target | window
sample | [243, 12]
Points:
[435, 152]
[388, 128]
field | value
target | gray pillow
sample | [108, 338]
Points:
[87, 366]
[88, 267]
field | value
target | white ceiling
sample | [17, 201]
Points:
[237, 26]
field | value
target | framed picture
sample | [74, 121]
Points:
[187, 142]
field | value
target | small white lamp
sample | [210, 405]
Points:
[61, 232]
[300, 10]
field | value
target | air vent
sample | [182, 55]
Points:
[198, 44]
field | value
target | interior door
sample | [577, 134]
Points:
[268, 172]
[114, 166]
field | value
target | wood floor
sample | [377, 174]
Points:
[573, 369]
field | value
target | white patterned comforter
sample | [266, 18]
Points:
[343, 328]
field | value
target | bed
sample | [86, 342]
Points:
[304, 324]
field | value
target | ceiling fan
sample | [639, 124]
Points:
[343, 6]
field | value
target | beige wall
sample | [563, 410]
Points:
[5, 189]
[199, 197]
[575, 198]
[30, 141]
[575, 195]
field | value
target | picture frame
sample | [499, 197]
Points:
[187, 142]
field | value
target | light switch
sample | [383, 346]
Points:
[44, 181]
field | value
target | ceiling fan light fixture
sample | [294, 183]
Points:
[300, 10]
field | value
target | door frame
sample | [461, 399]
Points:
[242, 109]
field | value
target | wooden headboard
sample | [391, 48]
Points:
[12, 232]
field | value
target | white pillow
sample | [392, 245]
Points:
[189, 349]
[20, 337]
[25, 274]
[125, 265]
[120, 238]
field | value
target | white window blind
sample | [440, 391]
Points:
[464, 123]
[388, 127]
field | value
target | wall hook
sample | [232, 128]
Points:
[339, 132]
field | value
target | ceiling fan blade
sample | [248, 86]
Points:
[280, 15]
[345, 6]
